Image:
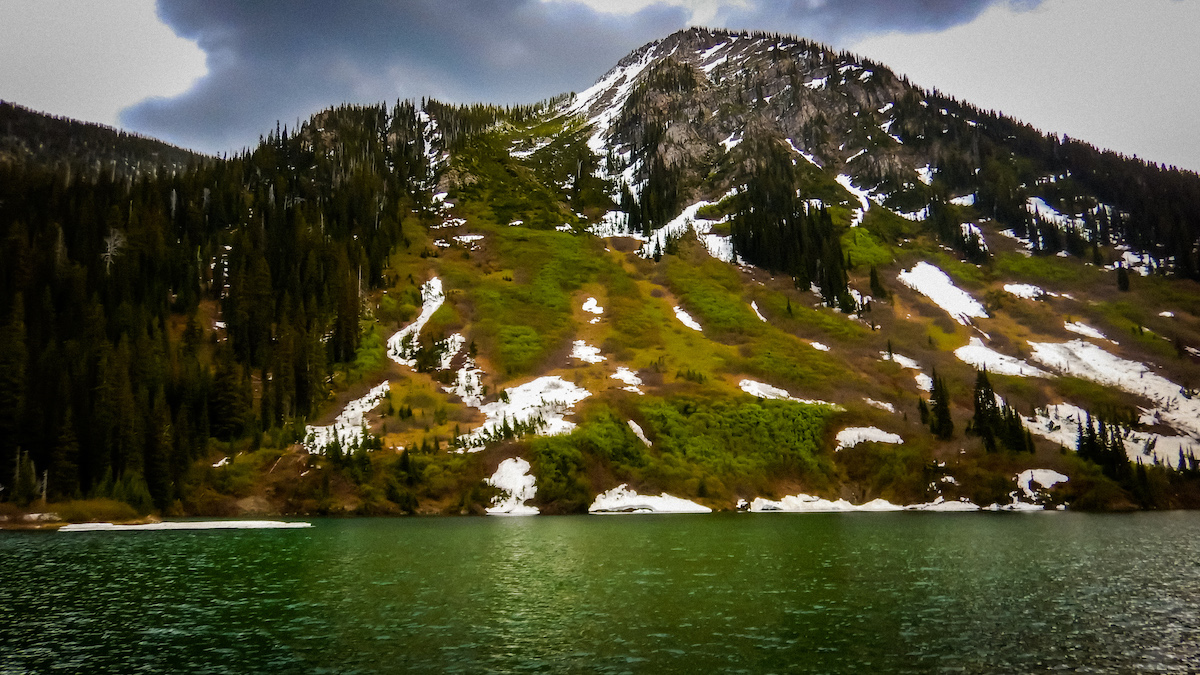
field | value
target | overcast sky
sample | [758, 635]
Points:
[215, 75]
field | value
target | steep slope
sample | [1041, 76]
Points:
[31, 137]
[741, 271]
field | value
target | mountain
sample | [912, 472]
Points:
[29, 137]
[740, 271]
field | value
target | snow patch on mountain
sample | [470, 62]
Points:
[545, 400]
[933, 283]
[686, 319]
[632, 382]
[347, 428]
[586, 353]
[1085, 330]
[622, 500]
[985, 358]
[1027, 291]
[516, 485]
[852, 436]
[402, 346]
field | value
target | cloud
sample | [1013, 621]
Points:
[272, 61]
[840, 22]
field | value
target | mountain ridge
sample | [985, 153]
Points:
[735, 270]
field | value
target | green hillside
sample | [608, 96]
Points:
[741, 267]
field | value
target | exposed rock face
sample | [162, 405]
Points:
[700, 100]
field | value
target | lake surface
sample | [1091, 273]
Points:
[771, 593]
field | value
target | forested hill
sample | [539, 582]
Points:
[36, 139]
[741, 267]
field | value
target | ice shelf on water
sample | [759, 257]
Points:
[187, 525]
[852, 436]
[622, 500]
[516, 485]
[347, 429]
[985, 358]
[401, 347]
[933, 283]
[803, 503]
[586, 353]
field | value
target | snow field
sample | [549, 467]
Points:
[1027, 291]
[187, 525]
[348, 427]
[852, 436]
[622, 500]
[933, 283]
[400, 345]
[764, 390]
[586, 353]
[1060, 424]
[1085, 330]
[861, 195]
[1091, 362]
[637, 431]
[803, 503]
[630, 378]
[1043, 477]
[882, 405]
[924, 382]
[549, 398]
[754, 306]
[513, 479]
[718, 246]
[686, 319]
[985, 358]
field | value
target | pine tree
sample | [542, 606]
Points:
[13, 357]
[64, 463]
[986, 415]
[877, 289]
[940, 422]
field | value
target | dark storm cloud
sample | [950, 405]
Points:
[271, 61]
[278, 61]
[838, 22]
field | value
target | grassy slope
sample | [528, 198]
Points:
[517, 297]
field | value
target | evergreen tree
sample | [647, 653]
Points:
[13, 357]
[940, 422]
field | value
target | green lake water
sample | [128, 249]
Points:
[727, 593]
